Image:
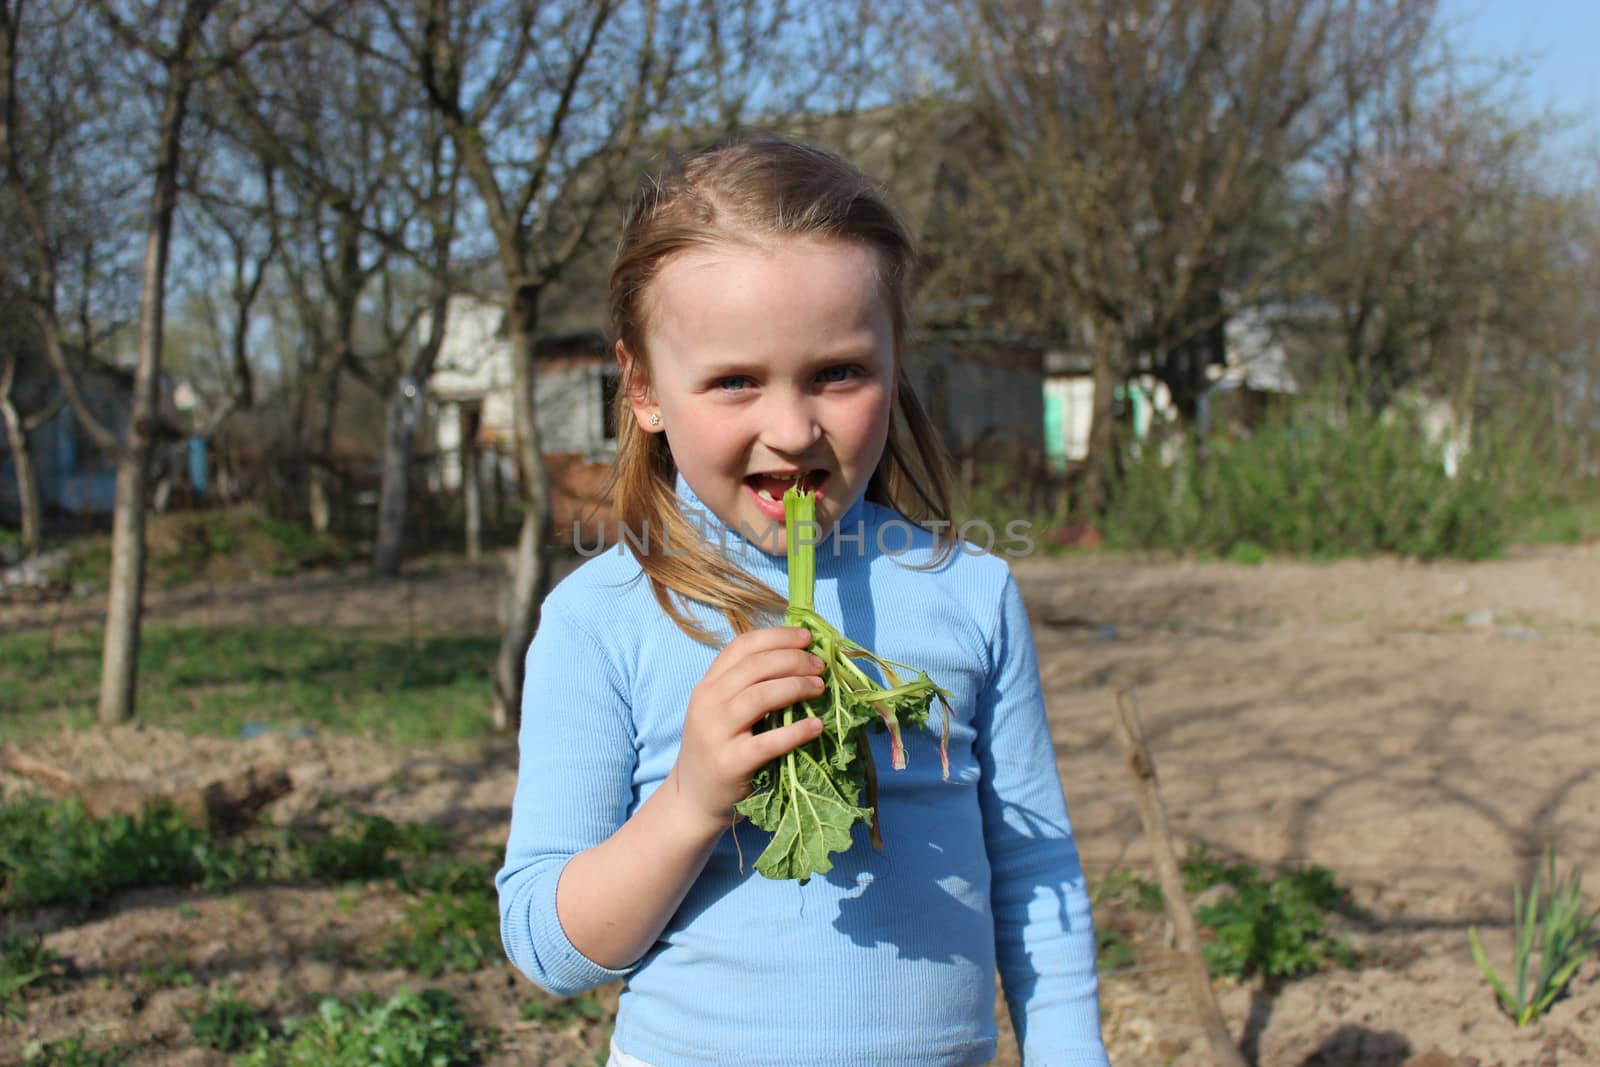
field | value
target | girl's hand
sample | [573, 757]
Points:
[757, 672]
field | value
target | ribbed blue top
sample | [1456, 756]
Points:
[890, 958]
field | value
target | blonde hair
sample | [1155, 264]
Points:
[754, 186]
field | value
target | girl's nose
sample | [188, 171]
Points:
[789, 426]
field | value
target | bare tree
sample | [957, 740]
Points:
[18, 347]
[176, 48]
[439, 200]
[1424, 215]
[167, 52]
[50, 128]
[551, 108]
[1130, 154]
[237, 207]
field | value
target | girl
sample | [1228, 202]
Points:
[759, 304]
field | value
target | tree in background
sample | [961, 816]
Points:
[1129, 158]
[165, 52]
[62, 217]
[370, 196]
[553, 109]
[1418, 212]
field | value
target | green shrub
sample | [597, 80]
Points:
[407, 1030]
[57, 853]
[1275, 928]
[1320, 478]
[360, 852]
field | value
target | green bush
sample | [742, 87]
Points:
[57, 853]
[1275, 928]
[1320, 478]
[407, 1030]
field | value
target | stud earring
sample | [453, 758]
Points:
[655, 418]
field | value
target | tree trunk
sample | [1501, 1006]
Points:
[1102, 431]
[468, 418]
[531, 577]
[405, 407]
[319, 474]
[119, 664]
[27, 477]
[400, 424]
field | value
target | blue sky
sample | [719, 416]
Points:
[1559, 39]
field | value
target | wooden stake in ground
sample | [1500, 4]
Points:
[1154, 814]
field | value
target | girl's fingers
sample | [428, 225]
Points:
[747, 645]
[765, 667]
[771, 695]
[762, 748]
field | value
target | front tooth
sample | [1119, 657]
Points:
[765, 495]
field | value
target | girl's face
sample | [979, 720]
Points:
[769, 362]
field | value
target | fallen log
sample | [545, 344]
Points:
[223, 805]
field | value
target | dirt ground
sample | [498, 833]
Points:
[1422, 729]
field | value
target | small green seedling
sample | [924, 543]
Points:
[1549, 921]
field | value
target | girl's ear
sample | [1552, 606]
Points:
[636, 384]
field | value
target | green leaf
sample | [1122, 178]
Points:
[814, 823]
[1487, 968]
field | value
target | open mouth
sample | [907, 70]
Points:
[770, 487]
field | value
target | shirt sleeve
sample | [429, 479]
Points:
[574, 789]
[1044, 934]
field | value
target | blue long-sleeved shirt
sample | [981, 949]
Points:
[890, 957]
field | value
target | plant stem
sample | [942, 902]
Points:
[800, 507]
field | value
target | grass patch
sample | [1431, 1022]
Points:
[424, 1029]
[453, 921]
[57, 854]
[547, 1012]
[409, 692]
[1570, 519]
[25, 964]
[228, 1024]
[75, 1052]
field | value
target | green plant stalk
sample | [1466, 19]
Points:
[1552, 922]
[813, 796]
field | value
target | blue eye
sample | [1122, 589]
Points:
[840, 373]
[731, 384]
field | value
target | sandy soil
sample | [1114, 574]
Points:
[1424, 730]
